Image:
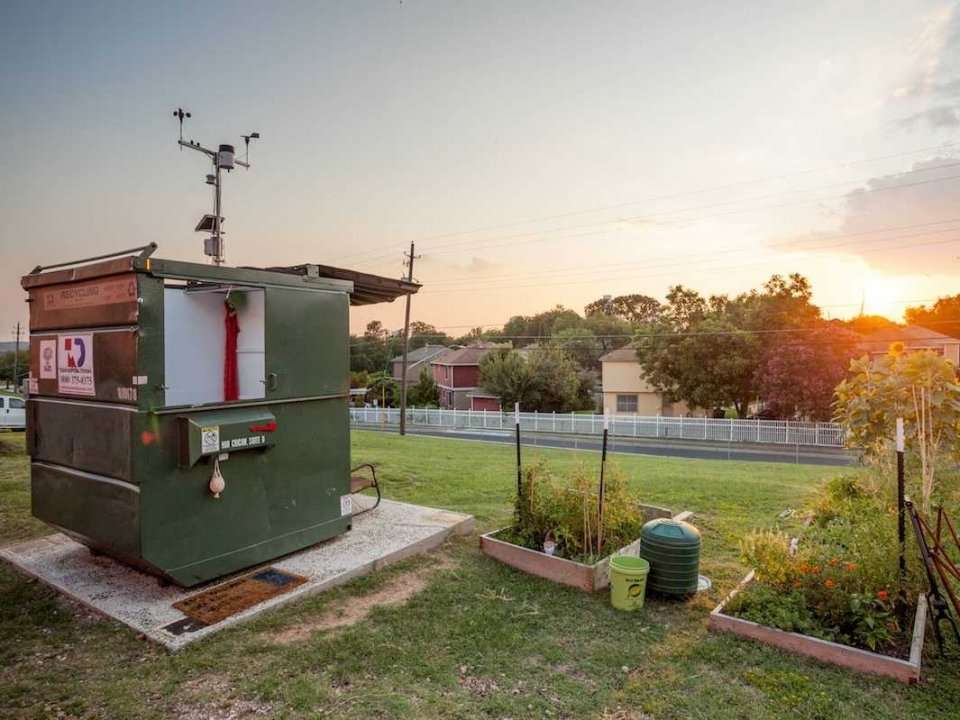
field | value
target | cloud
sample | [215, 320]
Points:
[902, 223]
[942, 116]
[437, 263]
[932, 86]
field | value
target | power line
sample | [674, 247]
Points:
[698, 270]
[825, 324]
[445, 249]
[471, 326]
[800, 246]
[666, 197]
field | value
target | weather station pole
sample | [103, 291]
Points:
[223, 158]
[408, 261]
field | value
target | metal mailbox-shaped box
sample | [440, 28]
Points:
[146, 375]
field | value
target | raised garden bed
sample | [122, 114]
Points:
[906, 671]
[589, 578]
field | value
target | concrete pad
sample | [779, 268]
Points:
[386, 535]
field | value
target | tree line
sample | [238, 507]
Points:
[768, 351]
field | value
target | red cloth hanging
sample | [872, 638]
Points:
[231, 384]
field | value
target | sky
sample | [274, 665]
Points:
[537, 153]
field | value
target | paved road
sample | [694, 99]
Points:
[670, 448]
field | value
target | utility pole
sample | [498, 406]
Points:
[408, 262]
[16, 358]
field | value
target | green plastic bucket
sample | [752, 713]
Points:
[628, 581]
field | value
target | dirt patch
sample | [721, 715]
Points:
[352, 610]
[624, 714]
[226, 708]
[229, 710]
[479, 686]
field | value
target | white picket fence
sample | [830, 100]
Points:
[779, 432]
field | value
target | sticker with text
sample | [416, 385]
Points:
[75, 364]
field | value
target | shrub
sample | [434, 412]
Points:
[565, 510]
[768, 553]
[921, 388]
[842, 582]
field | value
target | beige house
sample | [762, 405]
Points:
[913, 338]
[626, 392]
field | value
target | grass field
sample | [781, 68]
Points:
[454, 635]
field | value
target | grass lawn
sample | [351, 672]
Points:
[458, 635]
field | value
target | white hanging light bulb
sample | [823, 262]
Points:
[217, 483]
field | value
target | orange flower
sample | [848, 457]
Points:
[883, 595]
[829, 584]
[834, 562]
[850, 566]
[804, 569]
[815, 570]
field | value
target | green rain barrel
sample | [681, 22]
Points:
[672, 547]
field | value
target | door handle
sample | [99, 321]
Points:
[271, 381]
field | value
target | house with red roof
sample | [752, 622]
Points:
[457, 374]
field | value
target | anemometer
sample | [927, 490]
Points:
[223, 158]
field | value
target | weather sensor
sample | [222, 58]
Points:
[223, 158]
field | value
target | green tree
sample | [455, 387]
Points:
[709, 351]
[528, 329]
[943, 316]
[798, 375]
[506, 374]
[581, 345]
[382, 388]
[865, 324]
[611, 332]
[556, 380]
[425, 393]
[7, 365]
[369, 351]
[633, 309]
[921, 387]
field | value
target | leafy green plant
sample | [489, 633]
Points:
[565, 510]
[921, 388]
[768, 553]
[842, 581]
[767, 606]
[873, 623]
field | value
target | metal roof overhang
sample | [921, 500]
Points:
[367, 289]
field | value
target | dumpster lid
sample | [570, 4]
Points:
[367, 288]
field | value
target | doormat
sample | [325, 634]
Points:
[218, 603]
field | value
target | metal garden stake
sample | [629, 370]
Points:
[901, 516]
[516, 417]
[603, 462]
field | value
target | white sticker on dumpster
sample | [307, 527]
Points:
[209, 439]
[48, 359]
[75, 364]
[346, 505]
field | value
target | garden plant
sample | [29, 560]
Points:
[564, 510]
[840, 580]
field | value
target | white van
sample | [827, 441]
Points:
[13, 413]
